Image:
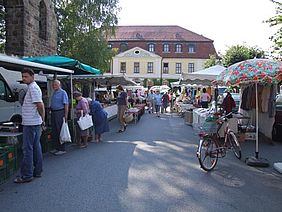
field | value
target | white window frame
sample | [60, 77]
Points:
[178, 48]
[121, 67]
[151, 47]
[178, 68]
[166, 69]
[150, 67]
[191, 67]
[136, 68]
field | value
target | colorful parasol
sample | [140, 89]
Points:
[253, 70]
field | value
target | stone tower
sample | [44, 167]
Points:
[31, 28]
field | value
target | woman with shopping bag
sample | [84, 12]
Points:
[82, 110]
[100, 119]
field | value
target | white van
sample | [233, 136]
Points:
[10, 107]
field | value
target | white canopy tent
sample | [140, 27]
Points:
[203, 77]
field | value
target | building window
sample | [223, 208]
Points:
[123, 67]
[150, 67]
[178, 68]
[165, 48]
[191, 67]
[178, 48]
[165, 68]
[191, 48]
[42, 20]
[136, 68]
[151, 47]
[123, 47]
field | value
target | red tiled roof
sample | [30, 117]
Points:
[157, 33]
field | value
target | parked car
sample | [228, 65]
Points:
[277, 127]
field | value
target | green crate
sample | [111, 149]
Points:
[11, 167]
[11, 151]
[2, 175]
[2, 159]
[46, 140]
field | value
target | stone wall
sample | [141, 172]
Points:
[23, 28]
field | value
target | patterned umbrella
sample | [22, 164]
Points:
[253, 70]
[263, 71]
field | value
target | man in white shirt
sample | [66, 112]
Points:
[33, 116]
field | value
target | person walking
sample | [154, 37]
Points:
[165, 101]
[205, 99]
[158, 102]
[122, 105]
[59, 112]
[33, 117]
[82, 108]
[150, 99]
[99, 118]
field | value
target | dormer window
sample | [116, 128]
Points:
[178, 48]
[166, 47]
[123, 47]
[191, 48]
[151, 47]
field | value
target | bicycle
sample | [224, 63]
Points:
[211, 147]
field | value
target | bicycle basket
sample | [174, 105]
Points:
[210, 125]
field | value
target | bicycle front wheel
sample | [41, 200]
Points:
[235, 146]
[207, 154]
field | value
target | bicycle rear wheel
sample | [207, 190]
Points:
[234, 143]
[207, 154]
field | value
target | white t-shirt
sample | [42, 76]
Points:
[30, 114]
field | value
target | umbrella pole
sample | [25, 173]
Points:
[257, 127]
[256, 161]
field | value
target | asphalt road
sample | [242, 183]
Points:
[150, 167]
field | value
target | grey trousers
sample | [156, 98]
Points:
[56, 125]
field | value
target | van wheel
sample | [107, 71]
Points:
[16, 119]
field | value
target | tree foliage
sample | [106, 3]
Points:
[277, 37]
[84, 26]
[239, 53]
[211, 61]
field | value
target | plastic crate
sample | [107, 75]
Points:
[10, 167]
[2, 159]
[2, 175]
[46, 140]
[11, 151]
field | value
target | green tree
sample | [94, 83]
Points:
[277, 37]
[211, 61]
[239, 53]
[84, 26]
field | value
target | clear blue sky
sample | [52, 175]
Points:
[227, 22]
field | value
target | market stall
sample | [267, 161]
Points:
[259, 78]
[10, 136]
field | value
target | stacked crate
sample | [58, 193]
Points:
[2, 166]
[8, 161]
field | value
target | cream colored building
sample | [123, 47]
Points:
[139, 63]
[158, 52]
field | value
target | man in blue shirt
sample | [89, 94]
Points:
[59, 112]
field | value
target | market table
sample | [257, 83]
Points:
[136, 112]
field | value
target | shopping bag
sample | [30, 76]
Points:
[128, 117]
[85, 122]
[65, 133]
